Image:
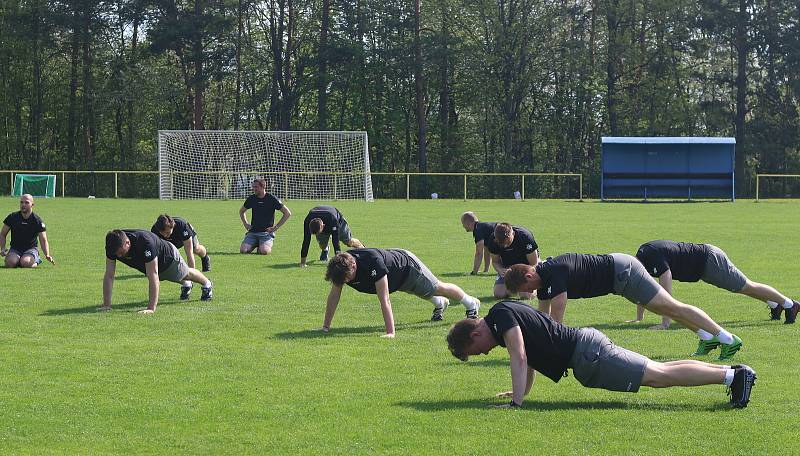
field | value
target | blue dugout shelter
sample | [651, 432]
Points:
[686, 168]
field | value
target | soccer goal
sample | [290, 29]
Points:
[214, 164]
[38, 185]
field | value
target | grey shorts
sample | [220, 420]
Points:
[632, 281]
[500, 280]
[344, 235]
[598, 363]
[254, 238]
[177, 270]
[34, 252]
[421, 281]
[721, 272]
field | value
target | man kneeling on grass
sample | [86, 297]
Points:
[155, 258]
[384, 271]
[535, 342]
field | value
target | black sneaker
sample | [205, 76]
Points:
[185, 292]
[775, 313]
[473, 314]
[437, 315]
[743, 380]
[791, 313]
[323, 256]
[206, 260]
[207, 293]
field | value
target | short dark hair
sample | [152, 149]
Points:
[338, 268]
[315, 225]
[515, 276]
[460, 337]
[262, 182]
[503, 232]
[114, 240]
[164, 221]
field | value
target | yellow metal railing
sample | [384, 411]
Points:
[759, 176]
[407, 175]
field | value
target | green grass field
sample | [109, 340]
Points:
[246, 373]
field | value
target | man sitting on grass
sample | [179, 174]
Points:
[384, 271]
[535, 342]
[510, 245]
[575, 276]
[25, 227]
[154, 257]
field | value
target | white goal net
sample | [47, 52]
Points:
[214, 164]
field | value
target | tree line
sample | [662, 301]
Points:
[442, 85]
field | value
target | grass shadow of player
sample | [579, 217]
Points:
[284, 266]
[632, 325]
[539, 405]
[228, 253]
[453, 274]
[130, 276]
[749, 323]
[350, 331]
[133, 306]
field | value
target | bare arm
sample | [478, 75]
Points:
[476, 261]
[497, 264]
[382, 288]
[665, 280]
[487, 259]
[189, 248]
[330, 308]
[243, 217]
[151, 271]
[521, 380]
[108, 283]
[3, 233]
[533, 258]
[544, 306]
[558, 305]
[286, 214]
[46, 247]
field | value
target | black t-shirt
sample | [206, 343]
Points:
[263, 211]
[373, 264]
[549, 345]
[183, 231]
[332, 219]
[687, 261]
[580, 275]
[483, 231]
[145, 246]
[24, 231]
[516, 253]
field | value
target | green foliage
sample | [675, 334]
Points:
[245, 373]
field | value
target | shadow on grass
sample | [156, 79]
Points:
[453, 274]
[284, 266]
[133, 306]
[749, 324]
[130, 276]
[638, 326]
[534, 405]
[354, 330]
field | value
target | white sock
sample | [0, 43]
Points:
[728, 377]
[773, 304]
[788, 303]
[439, 301]
[704, 335]
[187, 283]
[469, 302]
[725, 337]
[208, 284]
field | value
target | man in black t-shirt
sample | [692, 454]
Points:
[261, 232]
[510, 245]
[537, 343]
[576, 276]
[326, 223]
[25, 228]
[687, 262]
[384, 271]
[481, 233]
[181, 233]
[155, 258]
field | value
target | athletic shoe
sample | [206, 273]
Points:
[185, 292]
[791, 313]
[323, 256]
[206, 260]
[207, 293]
[438, 312]
[775, 313]
[705, 346]
[726, 351]
[743, 380]
[473, 314]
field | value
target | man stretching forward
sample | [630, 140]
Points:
[537, 343]
[481, 233]
[575, 276]
[326, 223]
[156, 258]
[687, 262]
[384, 271]
[261, 233]
[25, 227]
[510, 245]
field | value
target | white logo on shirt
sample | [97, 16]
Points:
[530, 246]
[495, 327]
[42, 225]
[549, 289]
[373, 273]
[148, 254]
[185, 233]
[655, 271]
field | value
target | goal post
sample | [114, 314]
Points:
[38, 185]
[221, 164]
